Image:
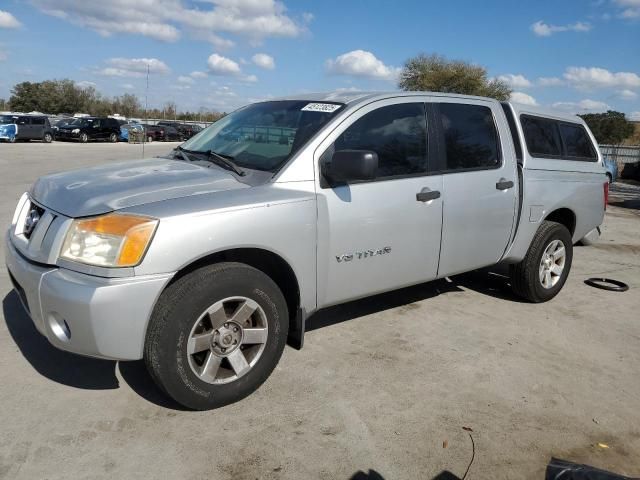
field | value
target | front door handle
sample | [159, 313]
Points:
[504, 184]
[425, 195]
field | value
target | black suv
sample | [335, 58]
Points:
[85, 129]
[185, 130]
[29, 127]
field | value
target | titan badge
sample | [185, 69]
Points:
[347, 257]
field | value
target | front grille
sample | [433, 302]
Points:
[20, 290]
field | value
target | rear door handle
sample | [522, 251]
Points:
[504, 184]
[425, 195]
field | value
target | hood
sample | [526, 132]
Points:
[98, 190]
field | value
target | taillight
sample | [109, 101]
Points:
[606, 194]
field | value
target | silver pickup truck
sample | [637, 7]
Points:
[206, 262]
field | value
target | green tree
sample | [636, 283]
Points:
[609, 128]
[435, 73]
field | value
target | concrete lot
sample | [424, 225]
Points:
[383, 384]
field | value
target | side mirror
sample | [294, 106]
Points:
[349, 165]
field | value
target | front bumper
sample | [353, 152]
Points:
[84, 314]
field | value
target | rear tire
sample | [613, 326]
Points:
[47, 138]
[200, 321]
[84, 138]
[609, 178]
[149, 139]
[545, 268]
[113, 138]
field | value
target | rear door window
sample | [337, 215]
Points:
[470, 136]
[542, 136]
[38, 121]
[577, 142]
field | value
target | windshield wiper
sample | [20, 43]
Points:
[225, 161]
[182, 153]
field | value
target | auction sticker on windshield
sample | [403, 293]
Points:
[321, 107]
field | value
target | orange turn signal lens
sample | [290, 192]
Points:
[112, 240]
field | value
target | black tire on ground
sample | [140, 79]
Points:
[113, 138]
[178, 310]
[525, 276]
[609, 178]
[149, 139]
[84, 138]
[47, 138]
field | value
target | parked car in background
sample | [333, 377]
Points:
[126, 129]
[27, 128]
[171, 134]
[153, 133]
[86, 129]
[186, 130]
[8, 128]
[612, 169]
[57, 122]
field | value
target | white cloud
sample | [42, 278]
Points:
[550, 82]
[85, 84]
[542, 29]
[161, 19]
[127, 86]
[307, 17]
[7, 20]
[523, 98]
[198, 74]
[627, 94]
[360, 63]
[250, 79]
[186, 80]
[586, 105]
[593, 77]
[133, 67]
[219, 65]
[264, 61]
[634, 116]
[515, 81]
[630, 9]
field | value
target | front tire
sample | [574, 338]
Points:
[545, 268]
[216, 335]
[84, 138]
[113, 138]
[47, 138]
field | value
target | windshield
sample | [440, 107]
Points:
[263, 136]
[6, 119]
[80, 122]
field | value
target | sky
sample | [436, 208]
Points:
[576, 55]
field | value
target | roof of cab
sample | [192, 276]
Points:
[350, 98]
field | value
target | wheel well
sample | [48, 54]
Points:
[267, 262]
[565, 217]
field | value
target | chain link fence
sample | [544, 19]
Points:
[626, 156]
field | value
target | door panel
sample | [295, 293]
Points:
[377, 236]
[477, 218]
[479, 190]
[384, 218]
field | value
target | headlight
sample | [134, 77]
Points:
[111, 240]
[75, 130]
